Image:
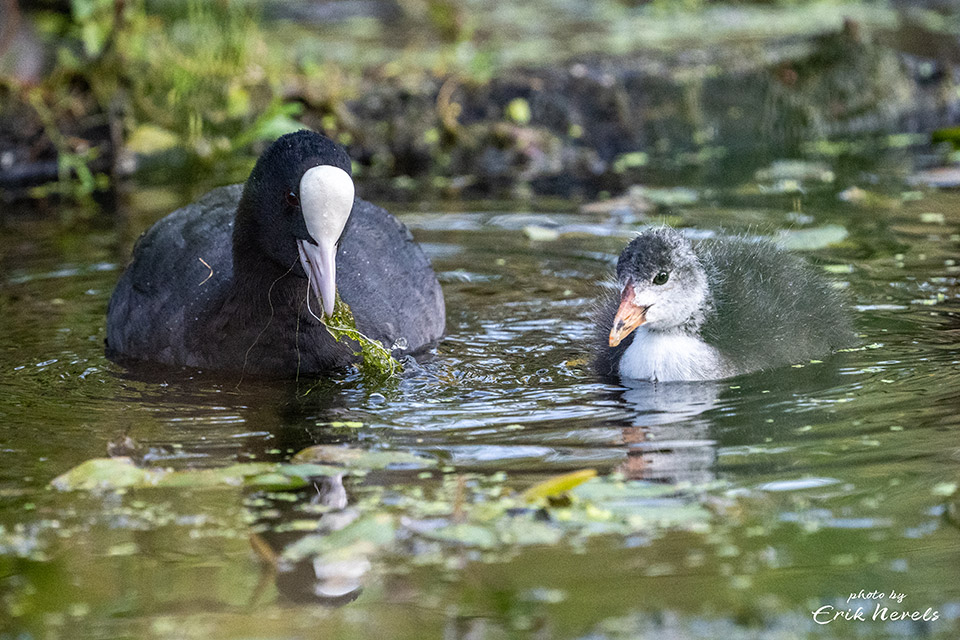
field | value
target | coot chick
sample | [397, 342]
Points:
[238, 280]
[714, 309]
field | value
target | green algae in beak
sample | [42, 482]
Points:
[375, 360]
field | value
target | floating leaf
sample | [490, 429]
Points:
[558, 485]
[518, 110]
[345, 424]
[527, 531]
[631, 160]
[672, 197]
[540, 234]
[795, 170]
[466, 534]
[945, 489]
[104, 474]
[355, 458]
[812, 239]
[371, 532]
[838, 268]
[110, 474]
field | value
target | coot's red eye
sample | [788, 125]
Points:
[292, 199]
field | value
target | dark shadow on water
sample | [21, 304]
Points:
[288, 414]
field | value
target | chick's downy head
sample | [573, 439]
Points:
[662, 281]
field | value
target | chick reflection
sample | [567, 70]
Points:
[328, 580]
[670, 439]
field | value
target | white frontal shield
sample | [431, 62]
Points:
[326, 199]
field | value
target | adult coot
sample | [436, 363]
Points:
[238, 280]
[714, 309]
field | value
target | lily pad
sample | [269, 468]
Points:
[672, 197]
[369, 532]
[105, 474]
[538, 233]
[558, 485]
[812, 239]
[796, 170]
[355, 458]
[110, 474]
[478, 512]
[465, 534]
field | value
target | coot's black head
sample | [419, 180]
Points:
[294, 206]
[663, 284]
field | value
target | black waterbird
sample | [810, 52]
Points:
[238, 280]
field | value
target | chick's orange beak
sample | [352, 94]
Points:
[629, 316]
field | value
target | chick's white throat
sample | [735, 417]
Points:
[670, 356]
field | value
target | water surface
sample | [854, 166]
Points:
[820, 480]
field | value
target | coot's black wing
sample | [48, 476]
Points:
[181, 268]
[770, 307]
[383, 274]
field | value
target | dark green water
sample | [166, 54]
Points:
[817, 481]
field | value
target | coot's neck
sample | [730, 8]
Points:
[259, 281]
[250, 260]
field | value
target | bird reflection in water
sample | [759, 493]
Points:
[669, 441]
[320, 579]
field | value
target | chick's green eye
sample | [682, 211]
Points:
[661, 277]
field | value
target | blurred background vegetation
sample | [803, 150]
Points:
[462, 99]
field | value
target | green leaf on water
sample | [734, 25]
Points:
[527, 531]
[945, 489]
[111, 474]
[518, 110]
[370, 532]
[558, 485]
[812, 239]
[465, 534]
[104, 474]
[355, 458]
[631, 160]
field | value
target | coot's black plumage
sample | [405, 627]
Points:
[223, 283]
[714, 309]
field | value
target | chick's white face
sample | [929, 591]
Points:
[671, 303]
[663, 284]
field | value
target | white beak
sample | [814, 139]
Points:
[326, 199]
